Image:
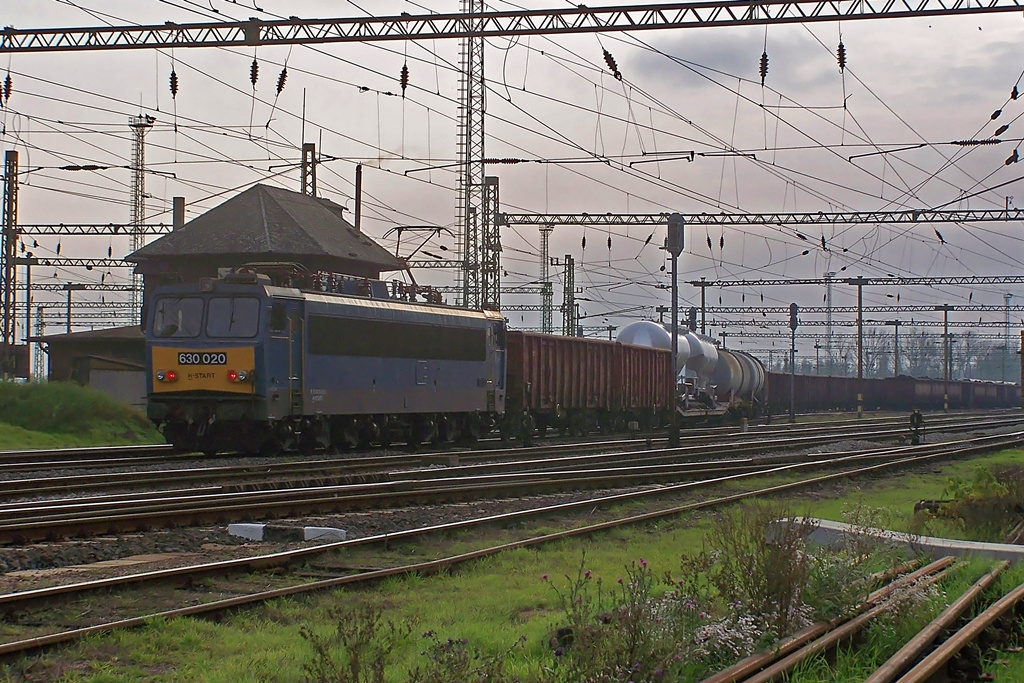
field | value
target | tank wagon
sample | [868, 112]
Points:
[711, 380]
[240, 363]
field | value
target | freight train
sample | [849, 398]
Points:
[265, 359]
[903, 393]
[257, 363]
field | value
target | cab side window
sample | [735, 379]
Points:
[278, 317]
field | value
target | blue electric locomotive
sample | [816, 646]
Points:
[239, 363]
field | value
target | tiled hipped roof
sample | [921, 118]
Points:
[270, 224]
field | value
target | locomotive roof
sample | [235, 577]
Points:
[391, 304]
[351, 300]
[270, 223]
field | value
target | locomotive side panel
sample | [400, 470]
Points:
[384, 358]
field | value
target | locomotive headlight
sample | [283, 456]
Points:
[237, 375]
[166, 375]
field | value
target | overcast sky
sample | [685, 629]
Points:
[920, 83]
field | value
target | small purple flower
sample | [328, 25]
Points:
[643, 562]
[588, 574]
[620, 580]
[544, 577]
[559, 651]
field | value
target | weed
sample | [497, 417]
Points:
[358, 650]
[748, 559]
[987, 505]
[454, 661]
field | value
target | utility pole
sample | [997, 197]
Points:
[71, 287]
[307, 182]
[794, 314]
[28, 262]
[10, 240]
[946, 354]
[490, 253]
[470, 150]
[860, 282]
[546, 290]
[703, 304]
[140, 125]
[895, 346]
[828, 318]
[674, 244]
[1006, 335]
[39, 360]
[569, 311]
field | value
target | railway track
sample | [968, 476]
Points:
[26, 602]
[33, 520]
[314, 471]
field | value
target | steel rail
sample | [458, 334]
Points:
[793, 643]
[429, 567]
[577, 472]
[263, 476]
[938, 658]
[194, 510]
[843, 632]
[912, 650]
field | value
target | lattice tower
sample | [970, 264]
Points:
[140, 125]
[471, 158]
[546, 293]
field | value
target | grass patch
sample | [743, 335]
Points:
[64, 414]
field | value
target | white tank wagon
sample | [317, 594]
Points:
[650, 333]
[702, 361]
[738, 375]
[725, 377]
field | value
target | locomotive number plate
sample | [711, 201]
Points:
[193, 358]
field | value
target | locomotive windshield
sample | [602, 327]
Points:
[233, 316]
[180, 316]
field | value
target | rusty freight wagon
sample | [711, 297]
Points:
[577, 385]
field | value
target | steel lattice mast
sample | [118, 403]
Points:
[470, 209]
[140, 125]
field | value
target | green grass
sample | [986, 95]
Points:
[66, 415]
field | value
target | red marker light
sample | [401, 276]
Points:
[232, 376]
[171, 375]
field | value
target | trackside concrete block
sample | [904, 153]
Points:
[831, 533]
[254, 532]
[324, 533]
[271, 532]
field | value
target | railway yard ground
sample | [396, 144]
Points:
[462, 617]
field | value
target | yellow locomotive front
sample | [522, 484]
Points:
[203, 348]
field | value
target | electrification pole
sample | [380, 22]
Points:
[546, 291]
[470, 206]
[946, 354]
[140, 125]
[676, 232]
[10, 239]
[794, 312]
